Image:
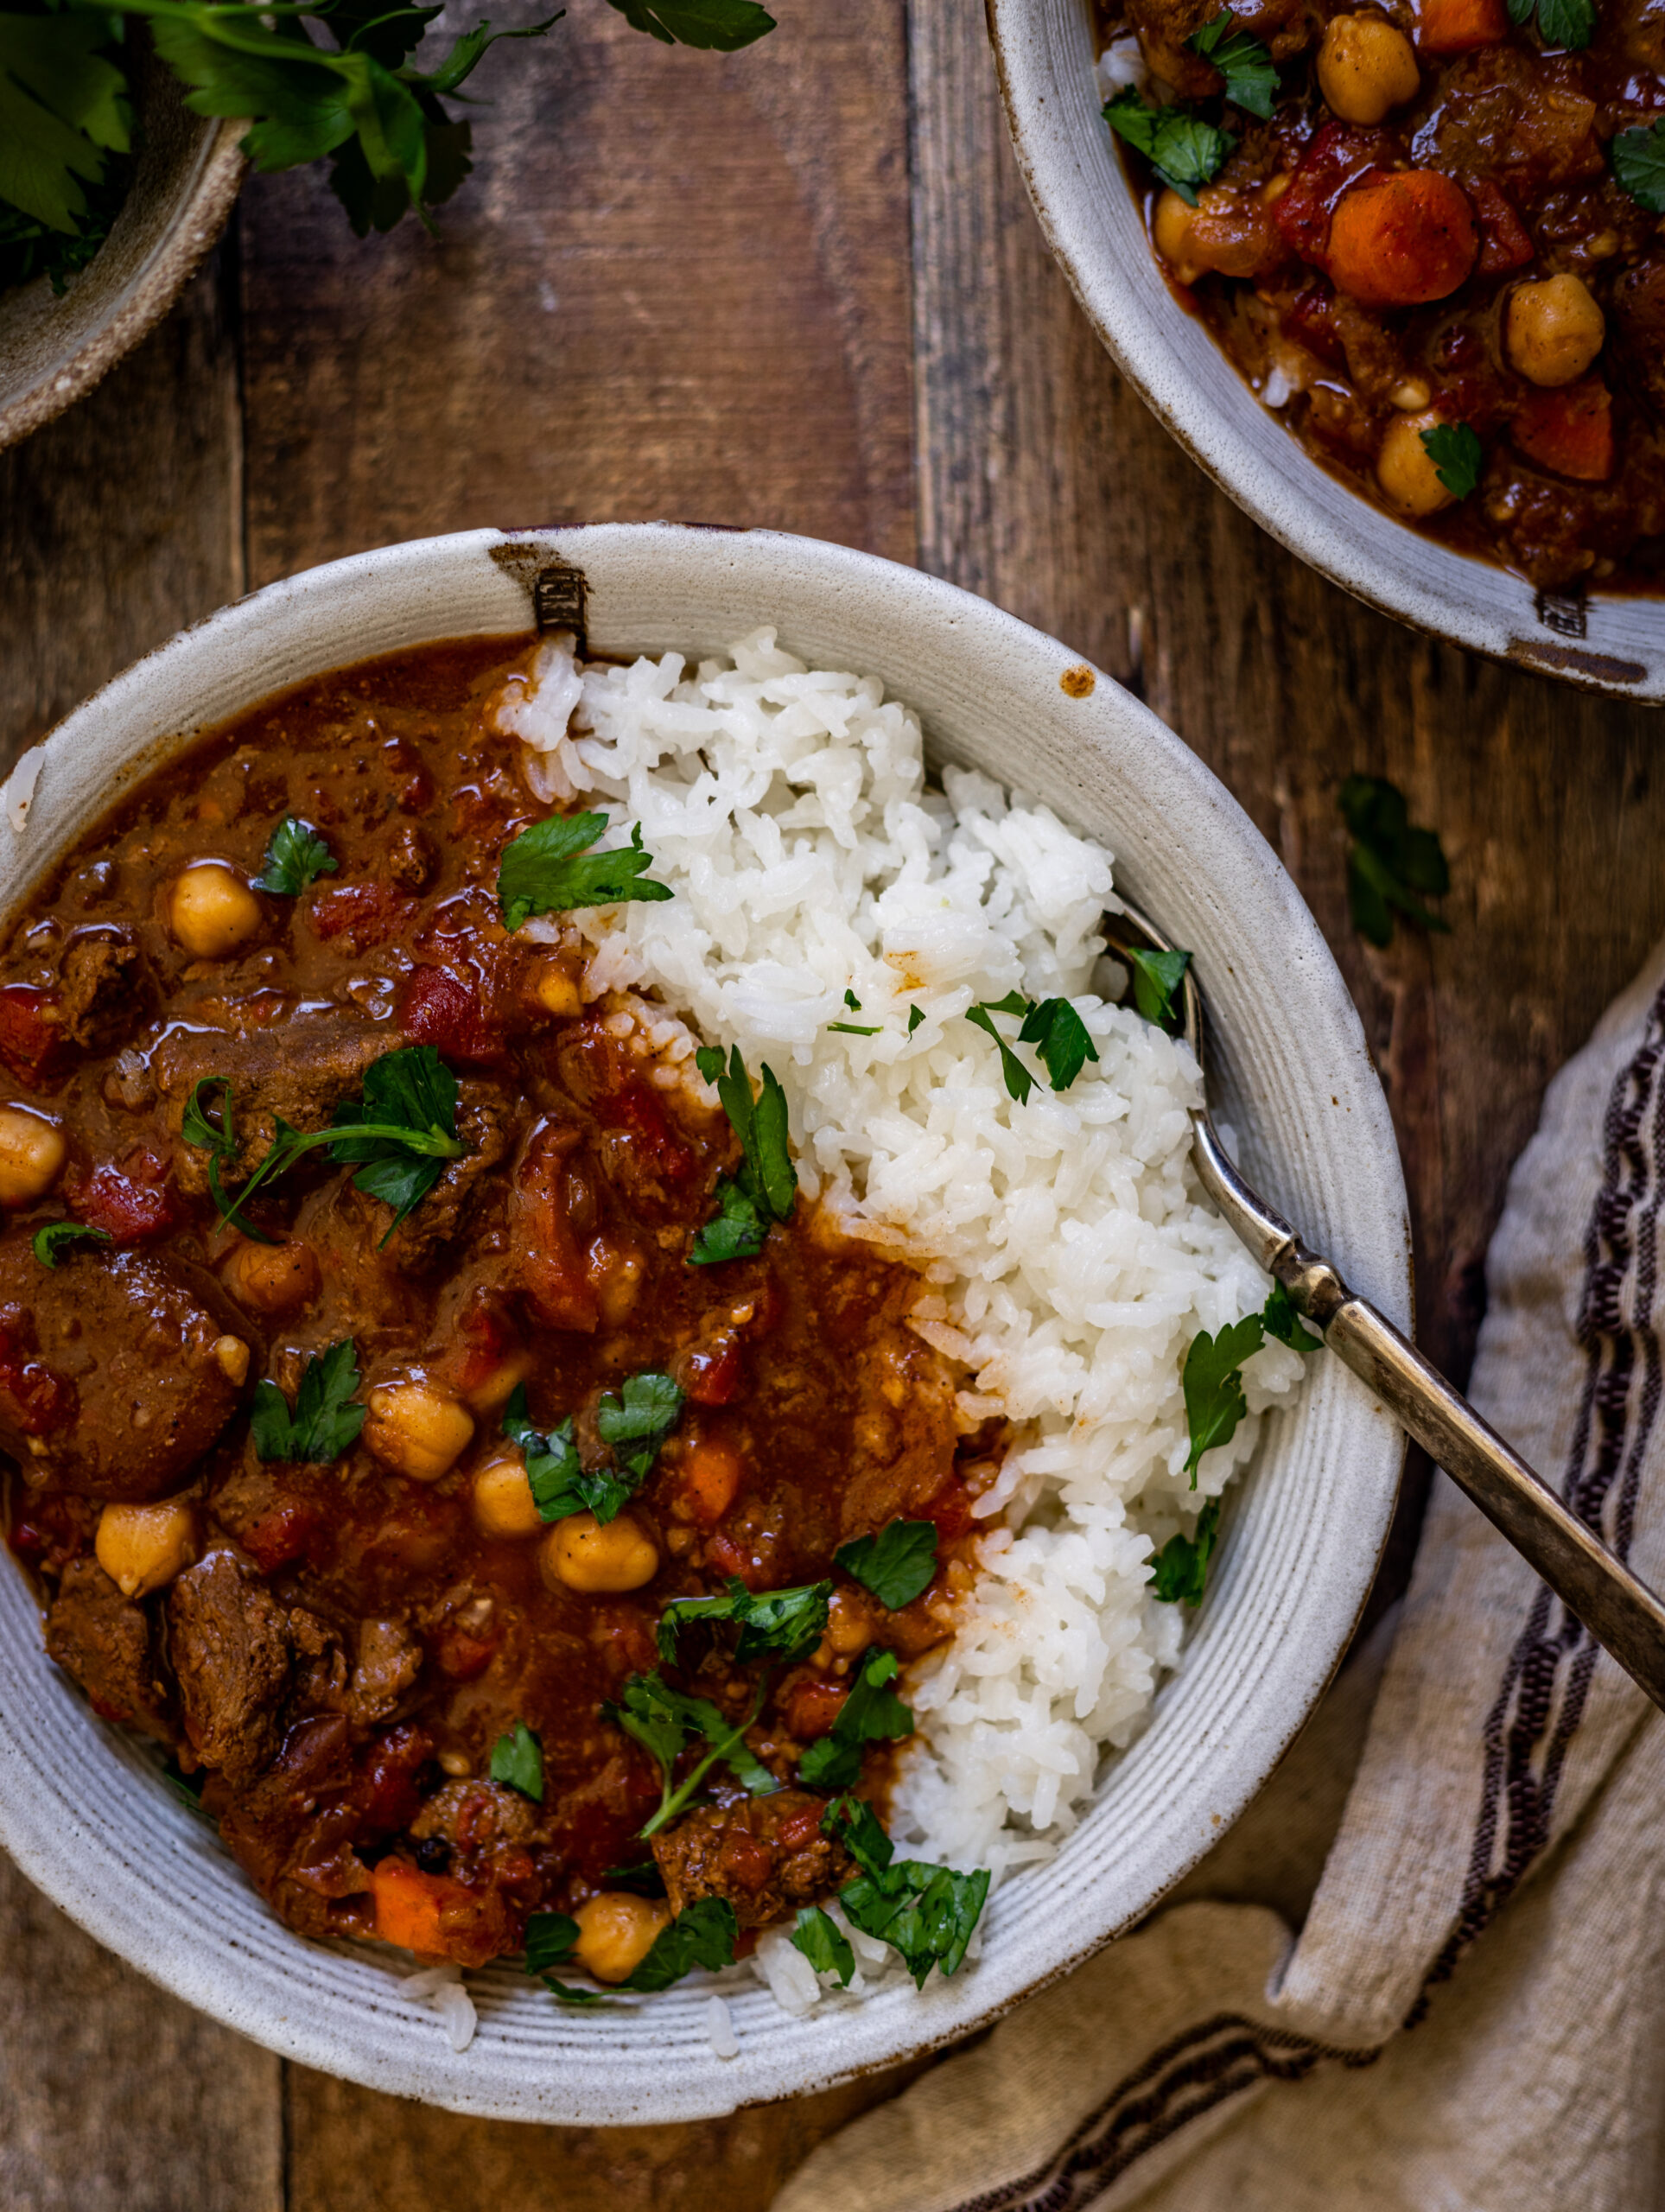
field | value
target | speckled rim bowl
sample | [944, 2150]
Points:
[1045, 51]
[97, 1828]
[189, 169]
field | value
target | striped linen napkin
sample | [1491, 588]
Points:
[1472, 2015]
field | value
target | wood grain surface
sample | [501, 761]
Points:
[798, 286]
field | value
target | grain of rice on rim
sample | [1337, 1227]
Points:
[1070, 1256]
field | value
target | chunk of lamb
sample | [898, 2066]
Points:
[486, 1124]
[301, 1070]
[105, 1642]
[233, 1652]
[111, 1384]
[104, 989]
[388, 1660]
[904, 1433]
[767, 1855]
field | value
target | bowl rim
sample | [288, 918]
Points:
[254, 1980]
[1440, 591]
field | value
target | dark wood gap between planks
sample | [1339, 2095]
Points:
[800, 286]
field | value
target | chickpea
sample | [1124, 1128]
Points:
[231, 1358]
[212, 912]
[272, 1278]
[32, 1154]
[503, 1505]
[1365, 67]
[556, 991]
[849, 1624]
[141, 1547]
[582, 1555]
[1171, 229]
[1405, 469]
[616, 1931]
[498, 1386]
[1553, 330]
[416, 1430]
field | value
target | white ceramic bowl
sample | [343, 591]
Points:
[98, 1830]
[1045, 51]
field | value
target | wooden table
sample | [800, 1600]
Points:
[798, 286]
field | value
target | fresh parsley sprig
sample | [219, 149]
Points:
[703, 1934]
[548, 1943]
[1570, 23]
[560, 1483]
[404, 1132]
[781, 1625]
[1639, 165]
[1212, 1376]
[896, 1564]
[1156, 979]
[549, 869]
[297, 856]
[1250, 78]
[1184, 151]
[518, 1760]
[872, 1713]
[46, 1242]
[1457, 455]
[766, 1188]
[1179, 1571]
[1389, 862]
[926, 1913]
[823, 1943]
[324, 1423]
[642, 1417]
[666, 1722]
[1052, 1025]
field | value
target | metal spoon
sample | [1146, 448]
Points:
[1621, 1613]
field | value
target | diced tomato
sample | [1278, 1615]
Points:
[549, 1266]
[1402, 239]
[623, 1635]
[33, 1045]
[363, 914]
[462, 1656]
[633, 1106]
[438, 1008]
[1570, 430]
[280, 1536]
[749, 1861]
[385, 1791]
[485, 1338]
[131, 1203]
[38, 1399]
[1505, 242]
[724, 1554]
[713, 1376]
[951, 1509]
[812, 1706]
[1459, 26]
[1339, 155]
[710, 1475]
[799, 1828]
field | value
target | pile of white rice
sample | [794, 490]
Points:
[1071, 1258]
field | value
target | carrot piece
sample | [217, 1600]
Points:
[1570, 430]
[408, 1904]
[1398, 240]
[711, 1475]
[1459, 26]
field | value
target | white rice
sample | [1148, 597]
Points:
[1072, 1258]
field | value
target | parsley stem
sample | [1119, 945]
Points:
[673, 1802]
[434, 1142]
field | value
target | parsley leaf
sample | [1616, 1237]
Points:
[853, 1823]
[927, 1913]
[1639, 165]
[560, 1483]
[1570, 23]
[781, 1625]
[650, 1409]
[664, 1721]
[853, 1029]
[550, 1940]
[896, 1564]
[1285, 1324]
[1019, 1081]
[1179, 1571]
[1389, 861]
[1250, 78]
[1060, 1034]
[63, 108]
[823, 1943]
[296, 855]
[916, 1019]
[702, 1935]
[721, 25]
[851, 1002]
[1156, 977]
[1214, 1387]
[324, 1424]
[766, 1189]
[518, 1759]
[1184, 151]
[548, 870]
[871, 1714]
[49, 1240]
[1457, 455]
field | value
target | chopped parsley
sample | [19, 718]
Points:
[549, 869]
[916, 1019]
[780, 1624]
[649, 1409]
[518, 1759]
[666, 1722]
[324, 1424]
[927, 1913]
[1212, 1378]
[896, 1564]
[1053, 1025]
[1184, 151]
[294, 857]
[702, 1935]
[1389, 862]
[1639, 165]
[46, 1242]
[1250, 78]
[1285, 1324]
[1457, 455]
[823, 1943]
[853, 1028]
[1179, 1571]
[404, 1132]
[560, 1483]
[1570, 23]
[1156, 977]
[872, 1713]
[551, 1937]
[766, 1188]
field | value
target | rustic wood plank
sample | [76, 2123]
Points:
[1046, 486]
[677, 285]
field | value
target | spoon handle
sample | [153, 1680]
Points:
[1623, 1615]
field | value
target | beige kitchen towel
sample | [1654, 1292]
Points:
[1472, 2017]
